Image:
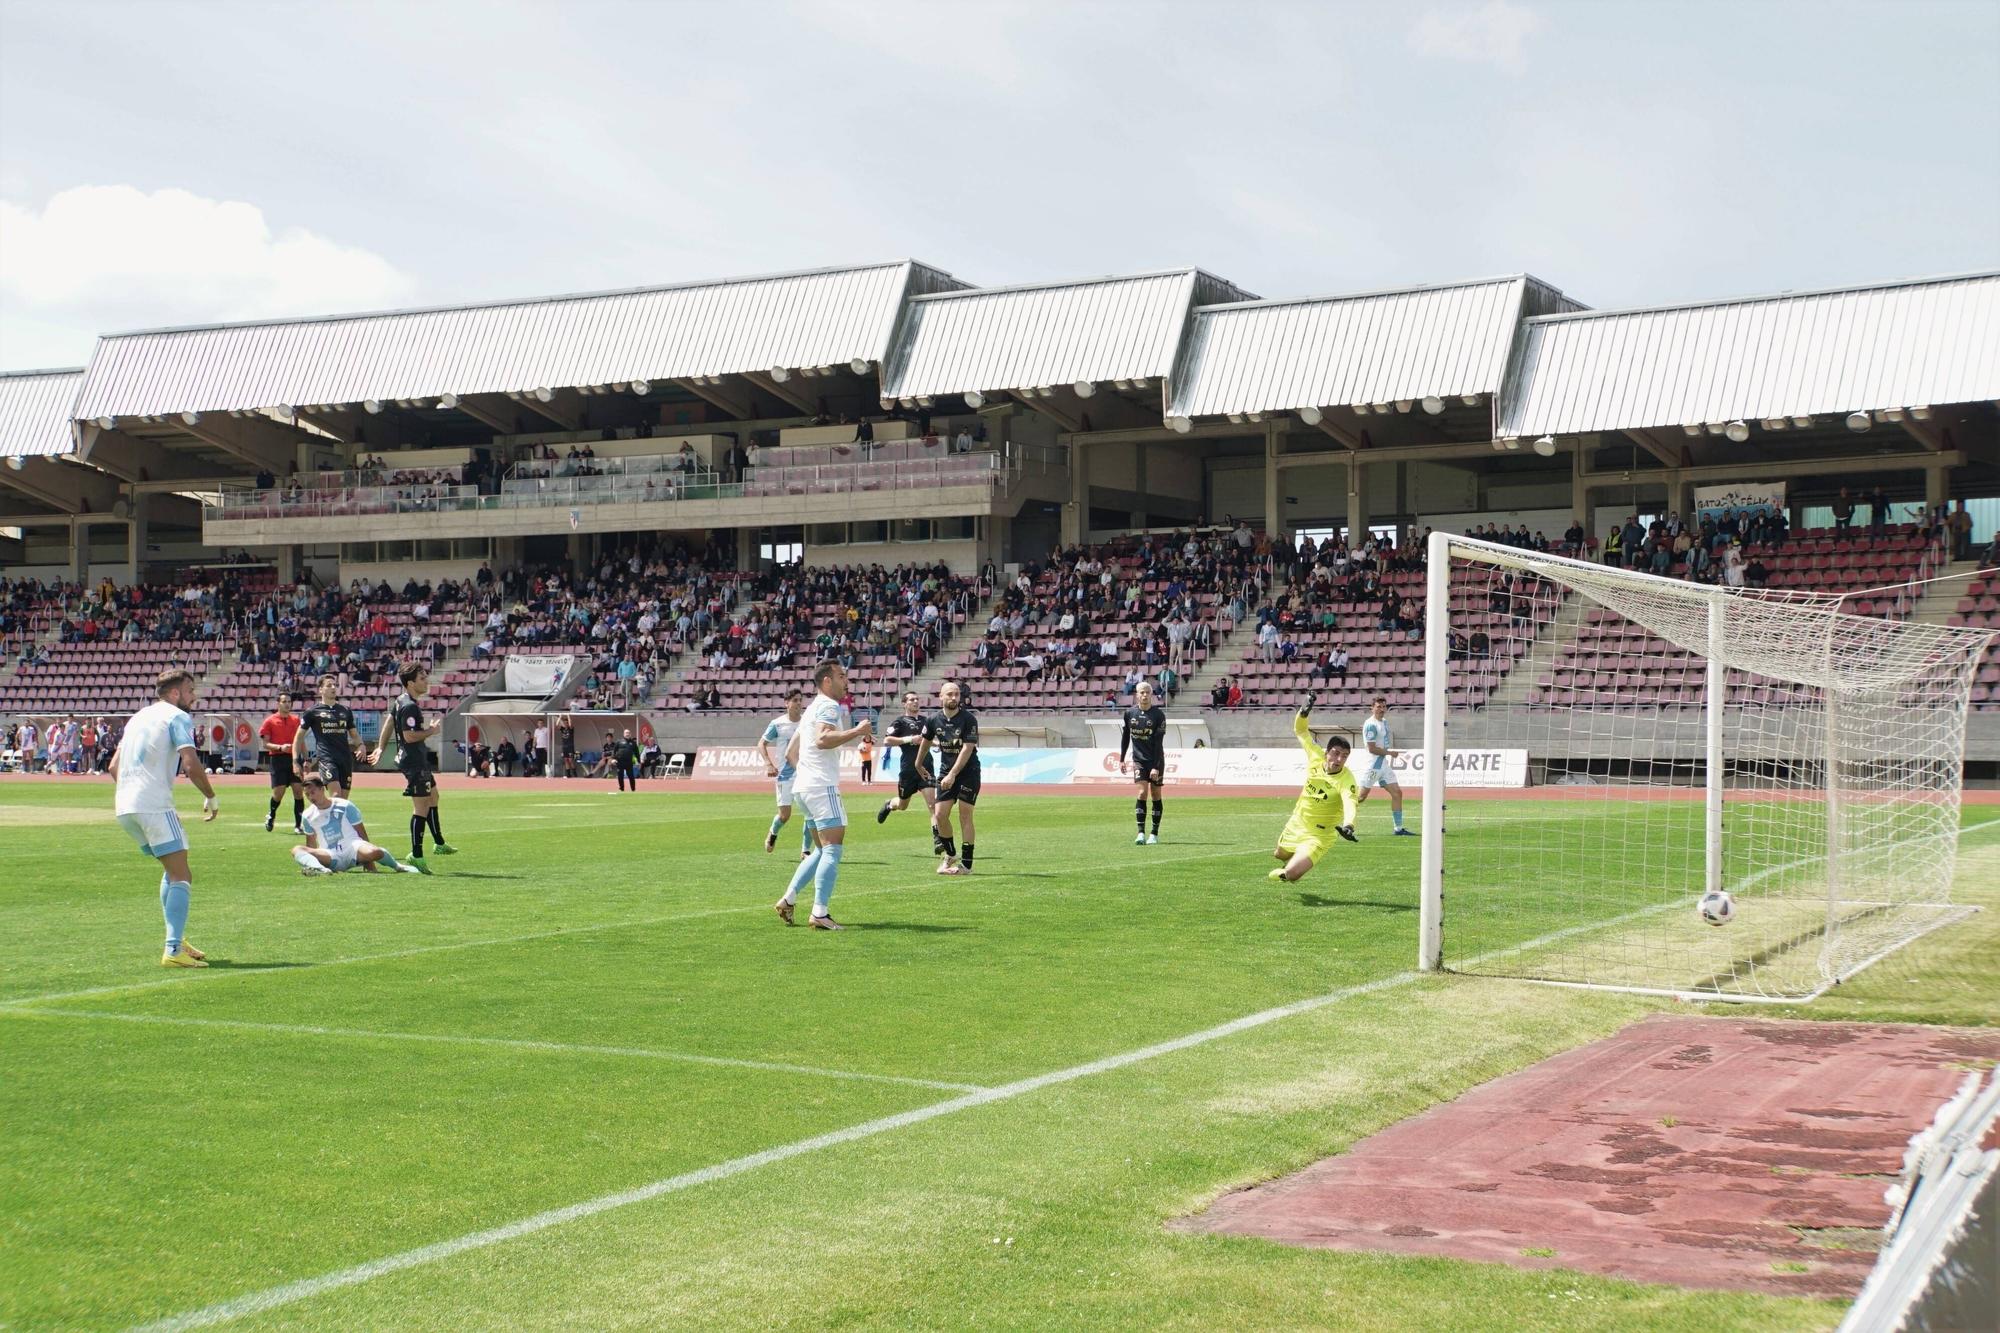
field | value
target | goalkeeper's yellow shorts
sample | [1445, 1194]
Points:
[1302, 834]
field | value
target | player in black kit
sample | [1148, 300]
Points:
[413, 758]
[954, 733]
[910, 735]
[1145, 738]
[331, 725]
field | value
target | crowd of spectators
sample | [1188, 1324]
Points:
[796, 616]
[1155, 606]
[1716, 551]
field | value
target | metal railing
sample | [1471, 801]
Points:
[661, 481]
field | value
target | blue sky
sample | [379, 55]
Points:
[176, 163]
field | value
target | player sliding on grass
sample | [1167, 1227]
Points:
[337, 840]
[1304, 840]
[1145, 738]
[159, 738]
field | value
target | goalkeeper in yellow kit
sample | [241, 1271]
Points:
[1328, 779]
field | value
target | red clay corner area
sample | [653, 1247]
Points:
[1702, 1152]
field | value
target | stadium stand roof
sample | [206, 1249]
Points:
[1044, 335]
[35, 412]
[821, 317]
[1906, 344]
[1447, 340]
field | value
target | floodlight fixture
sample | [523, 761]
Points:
[1858, 422]
[1546, 446]
[1433, 404]
[1738, 431]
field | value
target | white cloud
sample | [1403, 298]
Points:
[1493, 33]
[103, 255]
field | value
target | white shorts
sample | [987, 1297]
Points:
[1372, 776]
[344, 858]
[784, 786]
[823, 808]
[157, 832]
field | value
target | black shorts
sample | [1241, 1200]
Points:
[282, 772]
[1151, 763]
[965, 788]
[910, 780]
[336, 773]
[418, 781]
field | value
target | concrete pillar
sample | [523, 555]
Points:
[287, 560]
[1579, 493]
[1937, 485]
[1357, 503]
[579, 553]
[79, 549]
[1274, 498]
[746, 548]
[139, 529]
[1076, 514]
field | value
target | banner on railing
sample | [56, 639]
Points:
[1743, 499]
[536, 673]
[1273, 766]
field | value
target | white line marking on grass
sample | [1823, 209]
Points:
[305, 1289]
[292, 1292]
[505, 1043]
[212, 976]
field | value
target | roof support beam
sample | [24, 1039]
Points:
[1061, 415]
[1927, 433]
[737, 406]
[1666, 453]
[496, 411]
[784, 393]
[565, 407]
[1335, 430]
[1818, 467]
[258, 441]
[74, 488]
[135, 460]
[342, 423]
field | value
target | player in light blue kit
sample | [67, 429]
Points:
[159, 739]
[773, 745]
[337, 839]
[1377, 740]
[815, 749]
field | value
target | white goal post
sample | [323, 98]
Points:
[1684, 738]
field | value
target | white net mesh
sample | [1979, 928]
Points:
[1841, 745]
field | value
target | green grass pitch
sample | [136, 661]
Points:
[594, 996]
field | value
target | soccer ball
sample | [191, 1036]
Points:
[1717, 908]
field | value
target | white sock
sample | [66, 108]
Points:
[305, 859]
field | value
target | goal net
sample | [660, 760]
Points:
[1683, 738]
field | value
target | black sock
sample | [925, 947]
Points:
[274, 809]
[966, 860]
[1157, 804]
[949, 843]
[437, 829]
[417, 836]
[298, 812]
[1139, 813]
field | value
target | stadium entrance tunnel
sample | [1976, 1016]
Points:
[1724, 1153]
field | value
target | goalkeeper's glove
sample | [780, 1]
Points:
[1347, 831]
[1307, 706]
